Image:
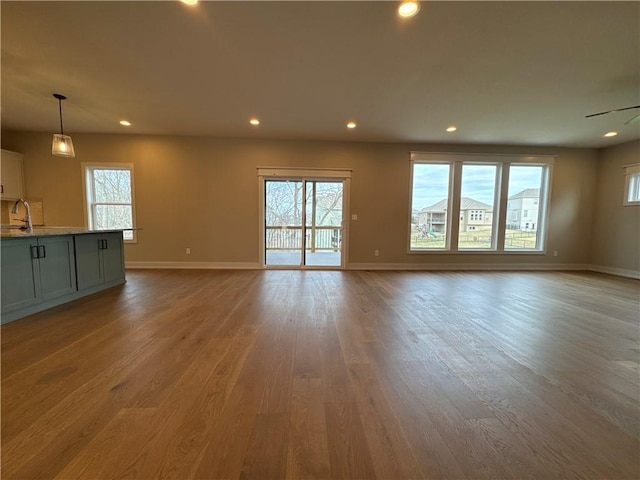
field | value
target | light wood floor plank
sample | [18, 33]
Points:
[328, 374]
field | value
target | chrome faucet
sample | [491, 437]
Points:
[27, 219]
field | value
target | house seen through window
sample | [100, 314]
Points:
[109, 197]
[477, 197]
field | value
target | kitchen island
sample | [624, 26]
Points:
[44, 267]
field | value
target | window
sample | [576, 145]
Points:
[430, 197]
[632, 184]
[526, 183]
[477, 194]
[109, 197]
[476, 215]
[501, 202]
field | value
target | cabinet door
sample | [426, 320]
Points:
[20, 273]
[113, 256]
[88, 260]
[11, 179]
[57, 266]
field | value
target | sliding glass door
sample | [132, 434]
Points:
[283, 222]
[303, 222]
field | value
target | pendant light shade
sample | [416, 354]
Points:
[62, 145]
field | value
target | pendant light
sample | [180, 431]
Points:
[62, 144]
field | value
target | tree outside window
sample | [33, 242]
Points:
[109, 196]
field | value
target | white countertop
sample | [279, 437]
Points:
[45, 231]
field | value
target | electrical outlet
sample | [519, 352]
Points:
[555, 253]
[376, 253]
[188, 251]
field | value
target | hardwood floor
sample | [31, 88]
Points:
[320, 374]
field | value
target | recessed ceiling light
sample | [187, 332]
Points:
[125, 123]
[351, 125]
[408, 8]
[190, 2]
[451, 129]
[254, 121]
[611, 134]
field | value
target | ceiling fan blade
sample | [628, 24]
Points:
[635, 119]
[612, 111]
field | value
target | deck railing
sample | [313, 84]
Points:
[289, 237]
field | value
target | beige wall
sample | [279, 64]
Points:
[202, 193]
[616, 228]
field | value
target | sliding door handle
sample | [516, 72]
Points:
[42, 253]
[34, 251]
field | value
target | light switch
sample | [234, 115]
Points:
[354, 216]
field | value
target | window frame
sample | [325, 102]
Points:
[448, 218]
[503, 164]
[631, 178]
[496, 198]
[542, 219]
[89, 193]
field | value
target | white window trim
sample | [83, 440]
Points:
[629, 172]
[86, 167]
[496, 205]
[311, 173]
[456, 160]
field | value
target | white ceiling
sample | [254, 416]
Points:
[523, 73]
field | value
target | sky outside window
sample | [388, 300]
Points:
[477, 198]
[430, 184]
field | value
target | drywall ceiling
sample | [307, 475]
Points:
[523, 73]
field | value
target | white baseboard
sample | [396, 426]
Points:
[496, 267]
[195, 265]
[467, 266]
[621, 272]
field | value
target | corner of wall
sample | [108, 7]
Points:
[615, 232]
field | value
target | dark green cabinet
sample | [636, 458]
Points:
[99, 259]
[113, 257]
[57, 266]
[20, 275]
[42, 271]
[35, 270]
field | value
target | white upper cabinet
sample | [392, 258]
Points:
[11, 176]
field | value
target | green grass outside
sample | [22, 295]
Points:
[514, 239]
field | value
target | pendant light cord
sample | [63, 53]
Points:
[60, 106]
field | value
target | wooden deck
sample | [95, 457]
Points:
[328, 374]
[312, 259]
